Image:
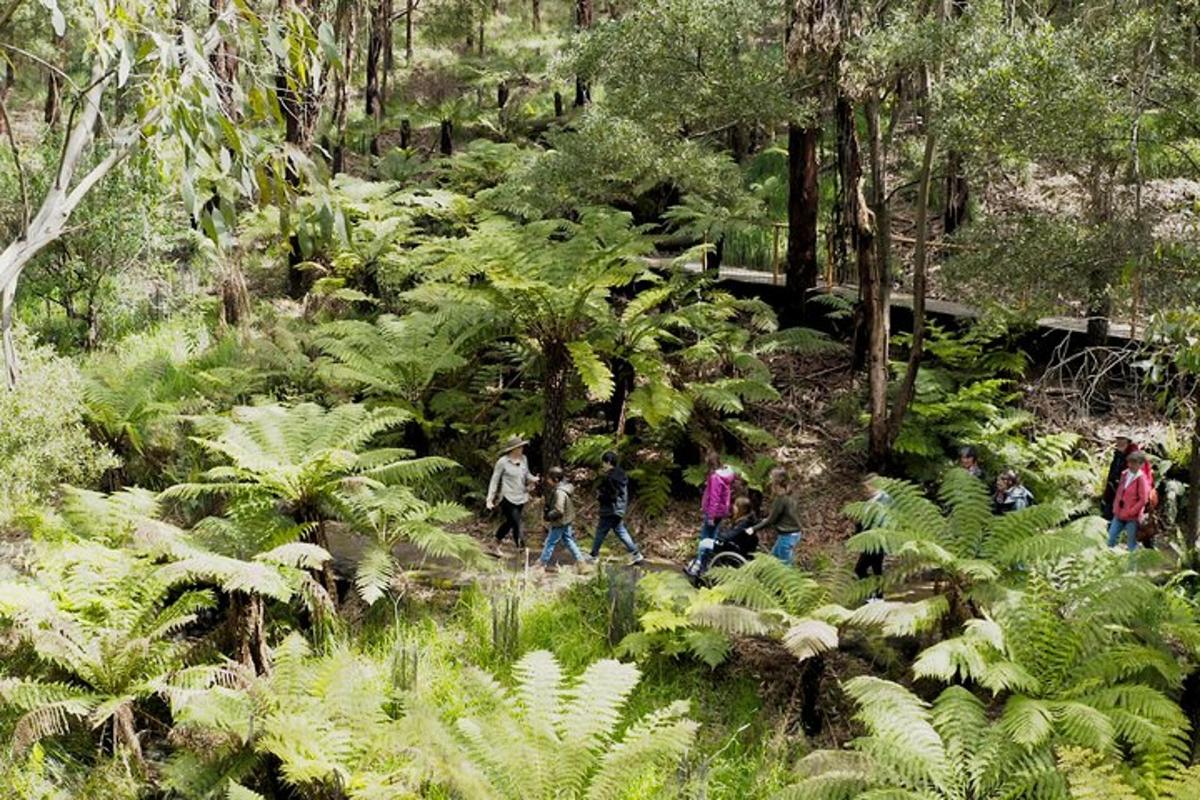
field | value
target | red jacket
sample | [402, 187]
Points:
[1131, 499]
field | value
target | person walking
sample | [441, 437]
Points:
[873, 515]
[1011, 495]
[559, 513]
[509, 489]
[718, 495]
[1130, 501]
[784, 516]
[1122, 447]
[614, 503]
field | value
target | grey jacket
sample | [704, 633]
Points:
[560, 508]
[510, 480]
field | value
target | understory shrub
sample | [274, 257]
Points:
[43, 440]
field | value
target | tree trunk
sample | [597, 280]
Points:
[583, 21]
[558, 104]
[10, 78]
[920, 267]
[1192, 528]
[537, 16]
[502, 94]
[446, 143]
[1099, 304]
[299, 105]
[873, 289]
[12, 367]
[557, 371]
[389, 55]
[405, 133]
[957, 194]
[803, 206]
[409, 8]
[375, 45]
[224, 60]
[482, 21]
[344, 31]
[879, 201]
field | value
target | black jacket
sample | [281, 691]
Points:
[614, 493]
[1115, 468]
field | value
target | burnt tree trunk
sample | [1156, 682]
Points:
[446, 143]
[502, 94]
[537, 16]
[558, 104]
[803, 205]
[405, 133]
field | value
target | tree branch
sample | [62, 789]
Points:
[16, 154]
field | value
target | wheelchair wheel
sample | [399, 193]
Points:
[728, 559]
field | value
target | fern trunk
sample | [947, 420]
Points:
[125, 736]
[248, 616]
[803, 204]
[555, 382]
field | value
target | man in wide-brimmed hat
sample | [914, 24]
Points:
[509, 487]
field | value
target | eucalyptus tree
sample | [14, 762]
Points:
[153, 80]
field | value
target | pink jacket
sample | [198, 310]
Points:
[1131, 498]
[717, 493]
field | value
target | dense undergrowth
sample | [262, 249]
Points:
[264, 374]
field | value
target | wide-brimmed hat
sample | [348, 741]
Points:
[512, 443]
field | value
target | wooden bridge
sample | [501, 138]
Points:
[763, 284]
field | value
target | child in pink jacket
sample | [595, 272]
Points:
[718, 495]
[1129, 504]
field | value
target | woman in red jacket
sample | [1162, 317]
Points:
[1129, 504]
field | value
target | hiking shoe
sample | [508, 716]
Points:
[638, 558]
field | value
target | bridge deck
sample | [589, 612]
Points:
[1117, 330]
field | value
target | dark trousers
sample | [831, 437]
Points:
[510, 522]
[868, 563]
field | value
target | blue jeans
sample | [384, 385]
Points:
[1114, 532]
[785, 546]
[559, 533]
[611, 522]
[708, 530]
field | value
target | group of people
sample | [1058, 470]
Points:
[728, 519]
[510, 487]
[1130, 496]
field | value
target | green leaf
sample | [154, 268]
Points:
[596, 376]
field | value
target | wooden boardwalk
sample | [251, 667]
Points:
[1120, 331]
